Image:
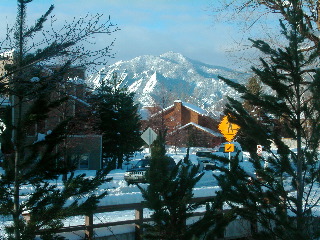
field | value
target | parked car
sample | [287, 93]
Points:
[205, 160]
[137, 174]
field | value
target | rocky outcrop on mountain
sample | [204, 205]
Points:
[162, 79]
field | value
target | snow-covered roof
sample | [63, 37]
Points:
[187, 105]
[7, 54]
[194, 108]
[161, 111]
[208, 130]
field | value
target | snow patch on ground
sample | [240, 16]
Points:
[119, 192]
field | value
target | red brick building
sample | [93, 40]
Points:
[186, 124]
[82, 145]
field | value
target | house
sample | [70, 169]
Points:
[186, 124]
[82, 146]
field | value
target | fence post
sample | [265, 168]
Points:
[254, 225]
[89, 226]
[139, 222]
[219, 216]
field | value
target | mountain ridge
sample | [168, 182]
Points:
[171, 76]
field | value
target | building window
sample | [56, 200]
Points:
[83, 161]
[80, 160]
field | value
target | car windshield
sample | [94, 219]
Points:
[221, 149]
[203, 154]
[142, 164]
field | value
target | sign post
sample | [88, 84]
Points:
[229, 131]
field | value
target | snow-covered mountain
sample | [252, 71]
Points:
[170, 76]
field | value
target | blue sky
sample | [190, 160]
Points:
[148, 27]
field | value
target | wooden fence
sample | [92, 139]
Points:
[139, 219]
[89, 225]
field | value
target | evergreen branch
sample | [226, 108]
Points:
[39, 24]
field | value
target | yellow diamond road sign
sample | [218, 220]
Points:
[229, 130]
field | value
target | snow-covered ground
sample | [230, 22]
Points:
[119, 192]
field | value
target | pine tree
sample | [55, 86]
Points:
[29, 162]
[169, 195]
[280, 198]
[119, 122]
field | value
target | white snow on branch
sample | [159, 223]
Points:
[315, 33]
[76, 80]
[35, 79]
[79, 100]
[286, 3]
[42, 136]
[2, 127]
